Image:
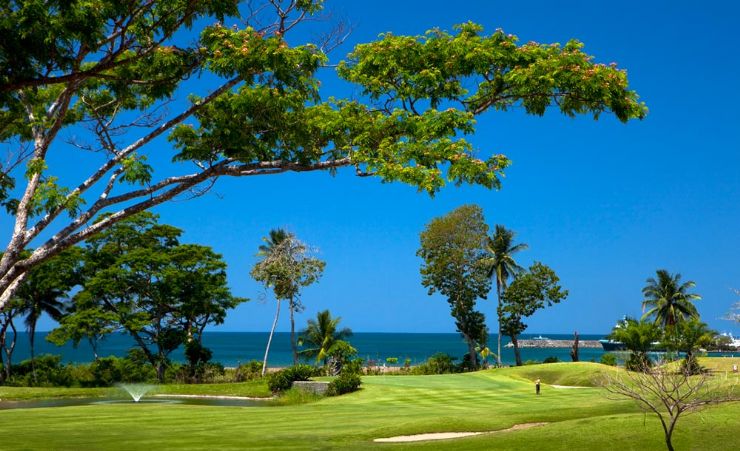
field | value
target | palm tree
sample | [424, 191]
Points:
[34, 307]
[501, 265]
[321, 335]
[267, 251]
[639, 337]
[45, 291]
[668, 300]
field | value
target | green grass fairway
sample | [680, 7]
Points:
[578, 419]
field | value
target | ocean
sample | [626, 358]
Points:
[233, 348]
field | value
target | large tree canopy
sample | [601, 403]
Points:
[453, 250]
[161, 292]
[106, 69]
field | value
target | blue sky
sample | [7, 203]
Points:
[603, 203]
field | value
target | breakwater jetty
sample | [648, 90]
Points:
[548, 343]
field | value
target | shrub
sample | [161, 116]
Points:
[609, 359]
[106, 371]
[391, 360]
[248, 371]
[135, 367]
[346, 382]
[439, 363]
[551, 359]
[49, 372]
[283, 379]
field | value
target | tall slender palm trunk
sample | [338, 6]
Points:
[269, 340]
[498, 319]
[292, 332]
[32, 333]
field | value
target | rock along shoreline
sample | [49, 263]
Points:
[547, 343]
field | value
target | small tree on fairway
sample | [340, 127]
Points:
[670, 393]
[286, 267]
[529, 292]
[453, 250]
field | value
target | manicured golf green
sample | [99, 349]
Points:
[578, 418]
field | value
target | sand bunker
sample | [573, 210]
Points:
[567, 386]
[451, 435]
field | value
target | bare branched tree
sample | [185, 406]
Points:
[670, 391]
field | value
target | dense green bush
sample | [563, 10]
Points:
[48, 369]
[439, 363]
[609, 359]
[283, 379]
[346, 382]
[551, 359]
[107, 371]
[248, 371]
[202, 373]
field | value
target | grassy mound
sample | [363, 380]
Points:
[579, 374]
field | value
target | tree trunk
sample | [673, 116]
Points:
[32, 333]
[574, 351]
[269, 340]
[292, 332]
[517, 351]
[472, 354]
[498, 338]
[9, 349]
[94, 345]
[669, 431]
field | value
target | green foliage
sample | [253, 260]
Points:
[346, 382]
[108, 371]
[551, 359]
[282, 380]
[286, 265]
[530, 291]
[638, 337]
[44, 371]
[198, 368]
[391, 360]
[161, 292]
[500, 261]
[248, 371]
[439, 363]
[453, 250]
[668, 301]
[608, 359]
[322, 337]
[107, 69]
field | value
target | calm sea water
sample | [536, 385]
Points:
[232, 348]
